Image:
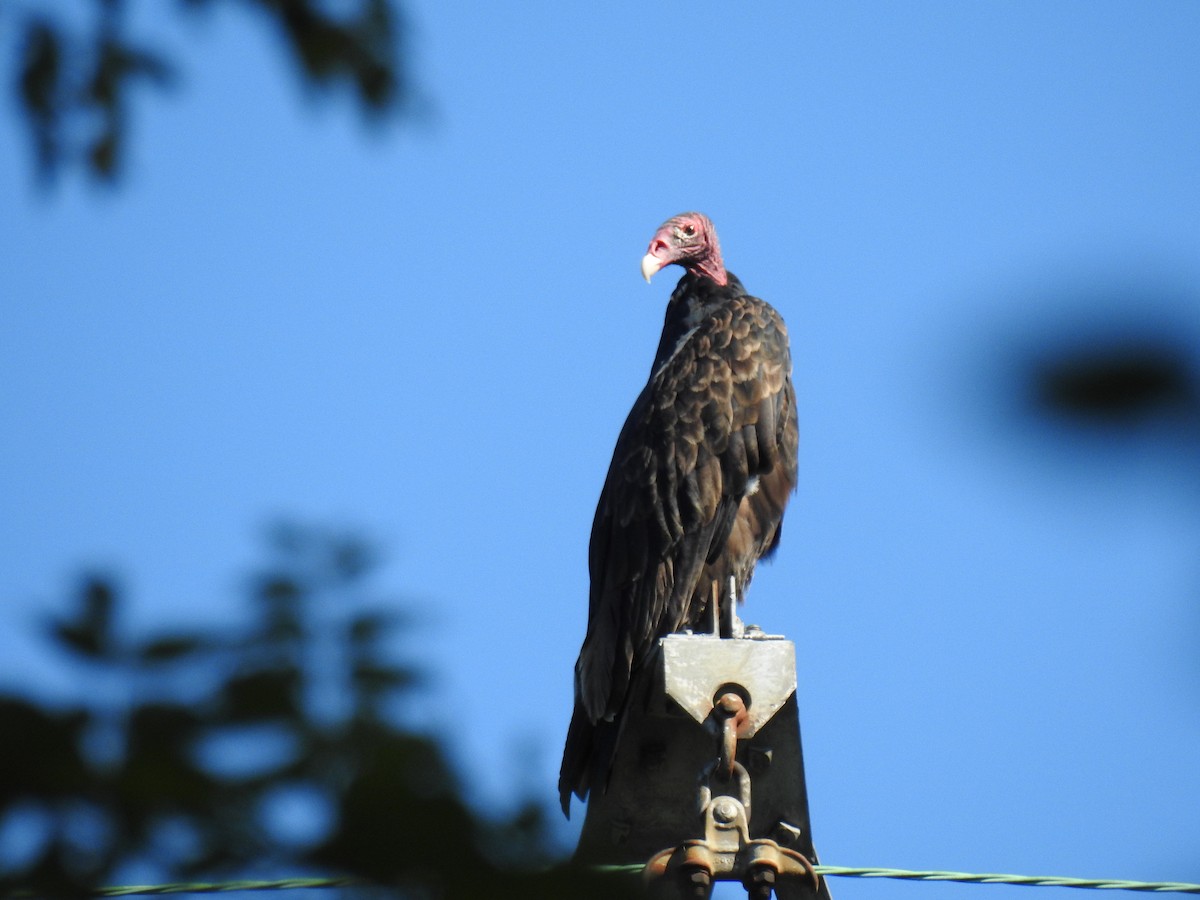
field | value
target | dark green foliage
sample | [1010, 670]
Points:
[75, 84]
[360, 49]
[44, 763]
[90, 633]
[1123, 382]
[185, 740]
[40, 86]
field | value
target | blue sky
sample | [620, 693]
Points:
[432, 332]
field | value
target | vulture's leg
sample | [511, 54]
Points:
[714, 615]
[731, 625]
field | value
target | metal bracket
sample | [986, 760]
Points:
[704, 717]
[696, 667]
[726, 853]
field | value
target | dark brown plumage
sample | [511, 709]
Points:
[696, 490]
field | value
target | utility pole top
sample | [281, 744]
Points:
[707, 779]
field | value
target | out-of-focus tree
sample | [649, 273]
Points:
[1121, 381]
[283, 747]
[76, 82]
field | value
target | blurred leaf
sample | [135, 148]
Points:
[269, 694]
[398, 810]
[39, 754]
[521, 837]
[171, 649]
[351, 558]
[119, 61]
[103, 152]
[158, 773]
[40, 81]
[374, 679]
[280, 589]
[369, 627]
[90, 632]
[360, 49]
[48, 877]
[281, 597]
[105, 82]
[162, 729]
[76, 82]
[1121, 382]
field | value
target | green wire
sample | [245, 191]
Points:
[286, 884]
[283, 884]
[1103, 884]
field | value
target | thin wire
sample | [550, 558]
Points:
[287, 884]
[283, 884]
[1103, 884]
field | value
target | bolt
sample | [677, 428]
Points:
[730, 704]
[760, 882]
[786, 834]
[758, 759]
[697, 882]
[724, 810]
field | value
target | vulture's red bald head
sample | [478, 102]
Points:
[687, 240]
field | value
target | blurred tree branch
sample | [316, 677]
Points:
[277, 748]
[74, 83]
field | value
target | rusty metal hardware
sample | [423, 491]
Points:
[766, 863]
[730, 710]
[698, 862]
[740, 779]
[726, 853]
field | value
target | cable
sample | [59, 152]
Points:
[1104, 884]
[286, 884]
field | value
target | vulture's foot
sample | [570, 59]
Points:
[731, 625]
[714, 611]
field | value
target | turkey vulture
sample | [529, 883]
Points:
[695, 493]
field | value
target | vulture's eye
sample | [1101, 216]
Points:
[689, 230]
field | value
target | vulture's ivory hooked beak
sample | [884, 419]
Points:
[650, 265]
